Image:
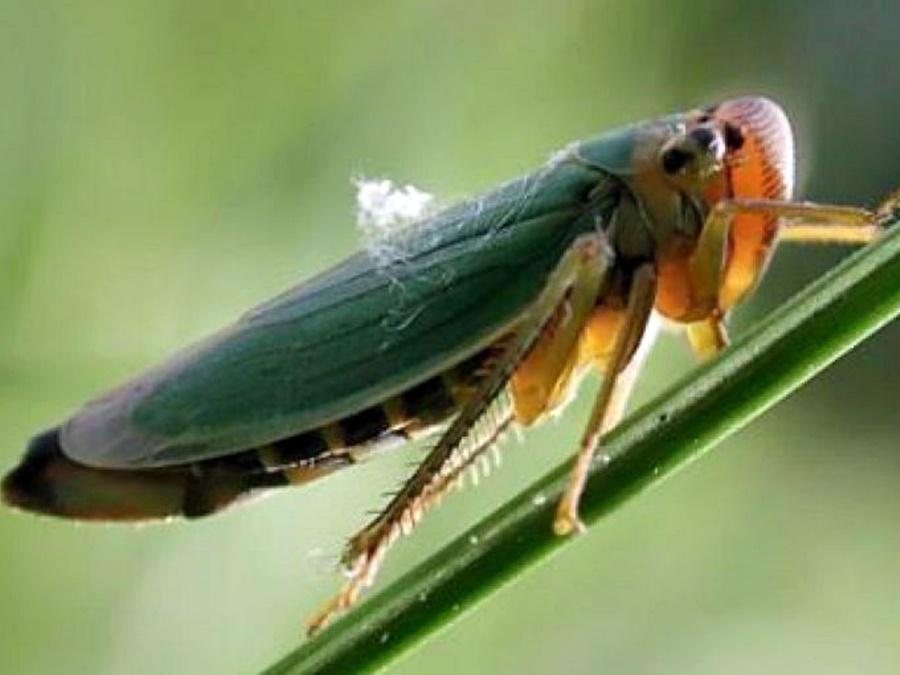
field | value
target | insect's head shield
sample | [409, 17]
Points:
[763, 167]
[741, 148]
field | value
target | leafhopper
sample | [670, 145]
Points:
[480, 318]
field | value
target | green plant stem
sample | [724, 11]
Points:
[805, 335]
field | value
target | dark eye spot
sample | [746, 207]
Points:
[703, 137]
[734, 139]
[675, 159]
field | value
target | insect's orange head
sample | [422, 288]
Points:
[738, 149]
[741, 148]
[761, 168]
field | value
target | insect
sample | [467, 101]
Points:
[482, 317]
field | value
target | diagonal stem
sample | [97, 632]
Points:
[799, 340]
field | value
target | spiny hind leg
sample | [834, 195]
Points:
[608, 404]
[577, 278]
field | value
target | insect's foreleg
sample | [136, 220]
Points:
[804, 222]
[580, 274]
[637, 313]
[811, 222]
[824, 224]
[707, 337]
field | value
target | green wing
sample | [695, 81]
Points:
[376, 324]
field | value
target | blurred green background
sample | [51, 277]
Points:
[164, 165]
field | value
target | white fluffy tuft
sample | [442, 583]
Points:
[382, 207]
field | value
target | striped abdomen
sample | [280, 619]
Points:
[305, 456]
[49, 482]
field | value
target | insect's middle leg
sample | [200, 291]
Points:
[543, 379]
[641, 297]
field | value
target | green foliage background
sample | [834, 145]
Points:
[165, 165]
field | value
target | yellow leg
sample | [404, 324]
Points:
[542, 378]
[628, 377]
[828, 233]
[801, 221]
[640, 304]
[804, 222]
[838, 225]
[707, 337]
[809, 221]
[579, 279]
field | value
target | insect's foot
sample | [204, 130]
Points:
[888, 210]
[567, 522]
[361, 560]
[338, 604]
[360, 568]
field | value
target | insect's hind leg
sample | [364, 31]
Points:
[580, 274]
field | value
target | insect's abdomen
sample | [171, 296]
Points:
[308, 455]
[49, 482]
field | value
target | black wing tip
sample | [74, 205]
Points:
[27, 486]
[47, 482]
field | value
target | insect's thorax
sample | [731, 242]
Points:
[657, 223]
